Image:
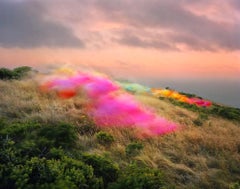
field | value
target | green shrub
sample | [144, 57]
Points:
[55, 153]
[21, 72]
[43, 173]
[61, 134]
[136, 177]
[133, 149]
[6, 74]
[45, 156]
[235, 185]
[18, 130]
[103, 167]
[17, 73]
[229, 113]
[234, 166]
[104, 138]
[8, 151]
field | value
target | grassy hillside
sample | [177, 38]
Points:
[47, 142]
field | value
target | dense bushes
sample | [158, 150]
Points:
[42, 156]
[137, 177]
[17, 73]
[103, 167]
[51, 173]
[35, 155]
[60, 135]
[227, 112]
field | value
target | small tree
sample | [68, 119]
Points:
[6, 74]
[17, 73]
[104, 138]
[21, 72]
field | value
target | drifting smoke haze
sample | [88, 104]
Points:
[107, 105]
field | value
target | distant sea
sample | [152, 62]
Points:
[222, 91]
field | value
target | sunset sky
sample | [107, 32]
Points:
[125, 38]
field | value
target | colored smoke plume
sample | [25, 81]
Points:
[108, 104]
[182, 98]
[157, 92]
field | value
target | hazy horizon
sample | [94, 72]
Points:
[221, 91]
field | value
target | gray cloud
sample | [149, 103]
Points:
[22, 24]
[192, 42]
[197, 32]
[235, 4]
[135, 39]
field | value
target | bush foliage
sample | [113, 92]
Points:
[34, 155]
[135, 177]
[225, 112]
[17, 73]
[104, 138]
[133, 148]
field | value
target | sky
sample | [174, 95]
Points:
[148, 39]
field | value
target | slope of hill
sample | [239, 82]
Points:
[48, 142]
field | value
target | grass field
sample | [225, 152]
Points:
[204, 153]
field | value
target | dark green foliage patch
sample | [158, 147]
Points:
[104, 138]
[17, 73]
[35, 155]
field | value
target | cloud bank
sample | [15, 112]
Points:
[158, 24]
[22, 24]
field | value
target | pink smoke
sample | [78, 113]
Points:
[199, 102]
[108, 105]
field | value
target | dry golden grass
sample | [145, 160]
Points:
[23, 100]
[204, 156]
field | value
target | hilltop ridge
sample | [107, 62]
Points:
[52, 143]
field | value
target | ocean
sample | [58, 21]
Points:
[222, 91]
